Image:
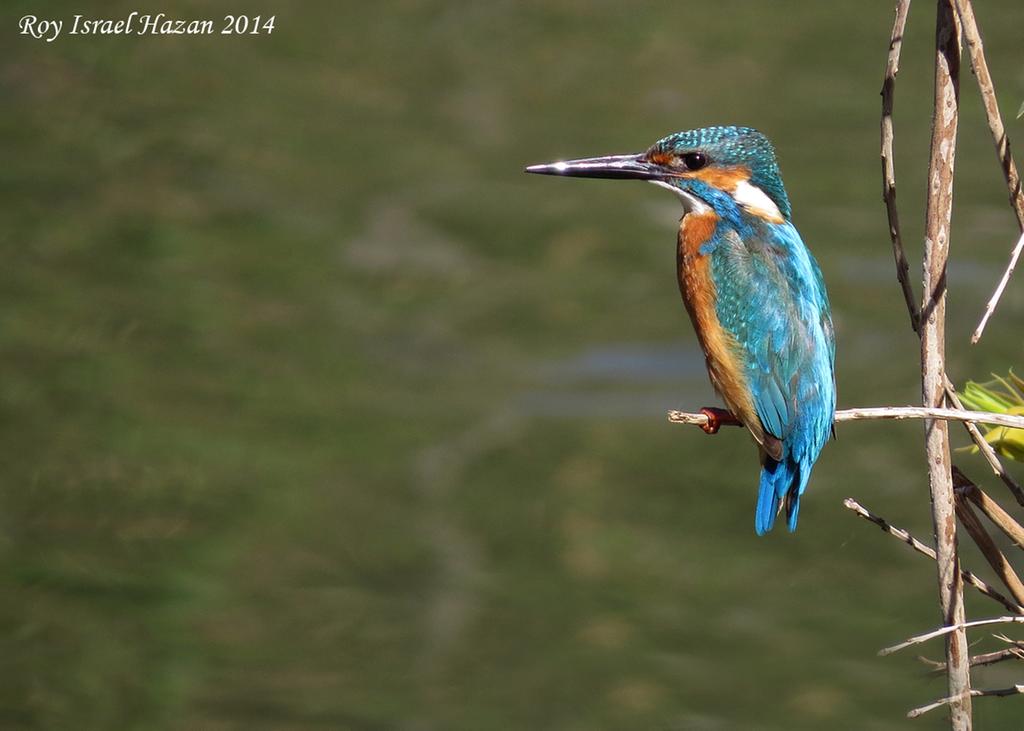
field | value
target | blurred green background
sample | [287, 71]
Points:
[317, 413]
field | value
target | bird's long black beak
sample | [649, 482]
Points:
[634, 167]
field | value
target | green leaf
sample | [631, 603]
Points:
[1002, 396]
[982, 397]
[1020, 112]
[1007, 442]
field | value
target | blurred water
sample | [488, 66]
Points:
[318, 413]
[617, 381]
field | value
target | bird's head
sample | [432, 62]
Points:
[728, 169]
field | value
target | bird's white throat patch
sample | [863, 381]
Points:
[756, 201]
[691, 203]
[747, 195]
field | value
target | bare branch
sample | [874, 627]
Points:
[976, 50]
[996, 692]
[892, 67]
[936, 666]
[994, 300]
[1019, 644]
[985, 658]
[968, 577]
[986, 449]
[984, 541]
[883, 412]
[941, 631]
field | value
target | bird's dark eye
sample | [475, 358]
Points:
[695, 160]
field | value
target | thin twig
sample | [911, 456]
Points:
[976, 50]
[887, 412]
[994, 512]
[975, 693]
[1019, 644]
[985, 658]
[892, 67]
[986, 449]
[994, 300]
[917, 639]
[928, 551]
[996, 559]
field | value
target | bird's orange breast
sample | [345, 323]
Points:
[699, 295]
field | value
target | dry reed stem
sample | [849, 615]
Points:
[996, 559]
[994, 512]
[938, 215]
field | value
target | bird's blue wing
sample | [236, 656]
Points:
[772, 300]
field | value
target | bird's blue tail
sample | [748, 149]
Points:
[781, 481]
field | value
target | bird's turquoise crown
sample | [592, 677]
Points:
[732, 147]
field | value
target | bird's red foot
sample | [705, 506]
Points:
[716, 418]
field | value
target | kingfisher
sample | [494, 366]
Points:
[754, 293]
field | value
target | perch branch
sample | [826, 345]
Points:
[892, 67]
[959, 627]
[975, 693]
[883, 412]
[928, 551]
[986, 449]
